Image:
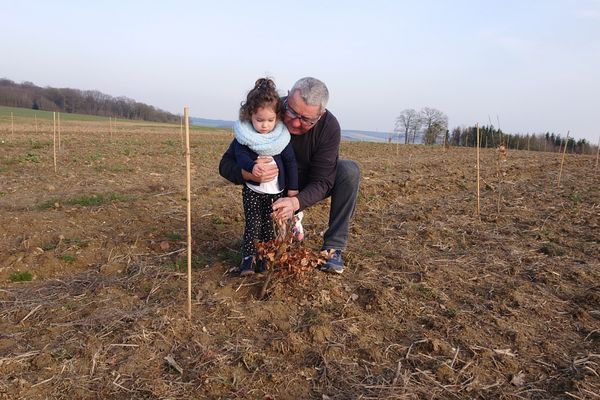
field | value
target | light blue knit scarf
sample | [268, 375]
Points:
[263, 144]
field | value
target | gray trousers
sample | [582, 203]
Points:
[343, 202]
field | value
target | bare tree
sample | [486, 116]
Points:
[455, 137]
[435, 123]
[407, 122]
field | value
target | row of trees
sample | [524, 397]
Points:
[91, 102]
[430, 126]
[492, 137]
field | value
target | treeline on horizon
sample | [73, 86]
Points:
[492, 137]
[91, 102]
[430, 126]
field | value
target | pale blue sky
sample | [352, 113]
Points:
[535, 64]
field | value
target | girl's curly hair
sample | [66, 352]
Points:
[264, 94]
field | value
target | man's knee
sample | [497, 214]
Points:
[348, 171]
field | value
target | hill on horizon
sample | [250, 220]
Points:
[212, 123]
[90, 102]
[351, 135]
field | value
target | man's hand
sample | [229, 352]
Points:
[263, 171]
[283, 208]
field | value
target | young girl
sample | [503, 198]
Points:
[260, 133]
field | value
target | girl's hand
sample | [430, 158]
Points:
[259, 170]
[292, 193]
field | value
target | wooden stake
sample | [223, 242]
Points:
[491, 130]
[181, 132]
[36, 128]
[562, 161]
[12, 126]
[189, 211]
[110, 127]
[499, 130]
[477, 169]
[597, 153]
[54, 139]
[500, 159]
[58, 123]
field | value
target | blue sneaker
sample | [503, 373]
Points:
[260, 267]
[247, 266]
[335, 263]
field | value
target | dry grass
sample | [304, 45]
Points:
[435, 303]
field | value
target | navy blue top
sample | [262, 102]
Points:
[286, 162]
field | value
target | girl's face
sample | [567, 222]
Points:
[264, 119]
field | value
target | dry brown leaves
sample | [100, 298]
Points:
[284, 255]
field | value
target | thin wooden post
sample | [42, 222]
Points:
[36, 127]
[499, 130]
[478, 209]
[189, 211]
[562, 161]
[110, 127]
[12, 126]
[491, 130]
[597, 153]
[181, 132]
[500, 160]
[54, 139]
[58, 123]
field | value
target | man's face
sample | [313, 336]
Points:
[299, 116]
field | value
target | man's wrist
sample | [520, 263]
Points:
[246, 175]
[296, 203]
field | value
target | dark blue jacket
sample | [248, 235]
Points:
[286, 162]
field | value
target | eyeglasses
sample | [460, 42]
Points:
[308, 122]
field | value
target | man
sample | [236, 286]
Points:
[315, 137]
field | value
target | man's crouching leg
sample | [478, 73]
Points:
[343, 203]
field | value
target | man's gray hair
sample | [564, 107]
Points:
[312, 91]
